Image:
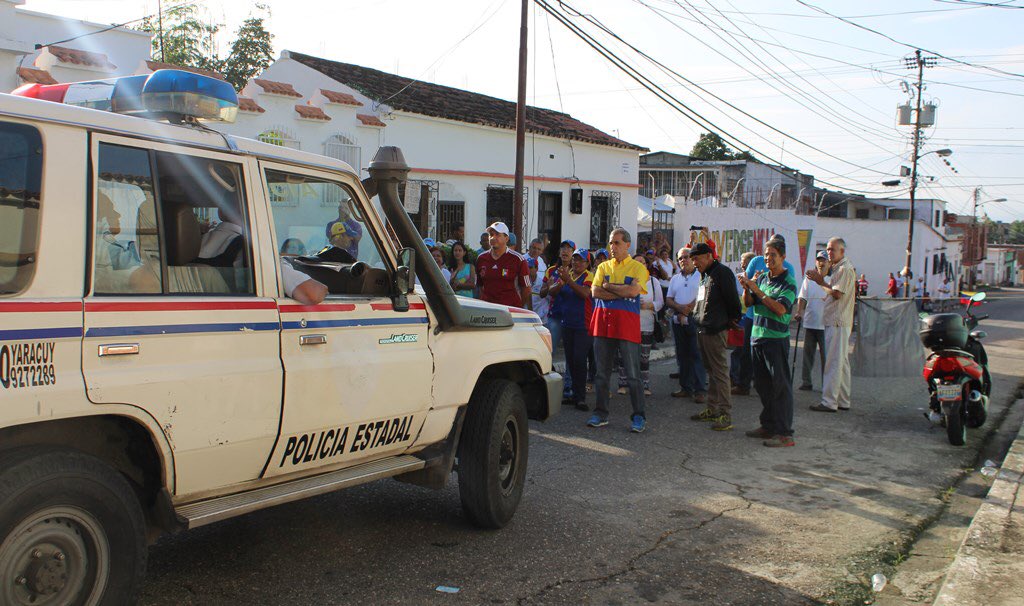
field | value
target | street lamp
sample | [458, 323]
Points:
[978, 235]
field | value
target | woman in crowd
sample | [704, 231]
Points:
[650, 304]
[463, 274]
[570, 286]
[435, 251]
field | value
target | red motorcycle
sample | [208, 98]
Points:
[957, 371]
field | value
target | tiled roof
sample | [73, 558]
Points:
[277, 88]
[311, 113]
[81, 57]
[370, 120]
[31, 75]
[428, 99]
[246, 104]
[155, 65]
[336, 97]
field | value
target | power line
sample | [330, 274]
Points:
[660, 93]
[901, 43]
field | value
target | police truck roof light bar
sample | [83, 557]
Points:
[170, 94]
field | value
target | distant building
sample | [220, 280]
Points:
[742, 183]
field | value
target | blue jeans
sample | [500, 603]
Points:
[692, 376]
[605, 350]
[577, 344]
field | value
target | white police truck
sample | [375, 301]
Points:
[155, 373]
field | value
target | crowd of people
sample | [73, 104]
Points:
[607, 308]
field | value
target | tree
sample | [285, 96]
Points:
[251, 52]
[710, 146]
[189, 40]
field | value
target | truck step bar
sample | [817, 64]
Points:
[221, 508]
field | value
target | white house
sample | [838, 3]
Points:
[71, 49]
[579, 181]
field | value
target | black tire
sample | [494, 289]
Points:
[71, 531]
[493, 453]
[956, 429]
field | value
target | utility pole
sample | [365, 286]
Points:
[517, 194]
[919, 63]
[975, 236]
[160, 21]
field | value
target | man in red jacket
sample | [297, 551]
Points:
[502, 273]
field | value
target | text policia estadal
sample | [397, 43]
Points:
[320, 445]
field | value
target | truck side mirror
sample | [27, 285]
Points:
[403, 279]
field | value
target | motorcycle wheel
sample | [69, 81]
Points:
[956, 429]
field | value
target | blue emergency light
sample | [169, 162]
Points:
[171, 94]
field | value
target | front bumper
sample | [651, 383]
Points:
[553, 384]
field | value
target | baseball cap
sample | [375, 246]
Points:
[601, 251]
[582, 253]
[822, 255]
[511, 239]
[338, 228]
[650, 251]
[700, 248]
[568, 243]
[499, 227]
[430, 242]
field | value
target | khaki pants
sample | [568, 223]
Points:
[716, 362]
[835, 391]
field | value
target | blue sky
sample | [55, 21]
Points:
[837, 93]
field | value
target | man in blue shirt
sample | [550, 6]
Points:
[745, 373]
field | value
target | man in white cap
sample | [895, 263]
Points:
[503, 274]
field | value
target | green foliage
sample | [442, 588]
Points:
[190, 40]
[710, 146]
[1005, 233]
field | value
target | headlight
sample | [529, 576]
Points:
[545, 335]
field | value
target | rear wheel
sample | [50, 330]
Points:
[493, 452]
[71, 531]
[956, 429]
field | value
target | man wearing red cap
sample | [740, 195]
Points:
[503, 274]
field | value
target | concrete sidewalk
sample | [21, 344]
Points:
[989, 566]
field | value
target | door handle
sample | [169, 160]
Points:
[119, 349]
[313, 340]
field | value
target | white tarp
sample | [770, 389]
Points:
[645, 208]
[886, 342]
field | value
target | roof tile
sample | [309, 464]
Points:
[428, 99]
[81, 57]
[246, 104]
[277, 88]
[311, 112]
[155, 65]
[31, 75]
[342, 98]
[370, 120]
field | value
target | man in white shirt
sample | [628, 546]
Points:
[681, 298]
[840, 289]
[538, 268]
[810, 305]
[301, 287]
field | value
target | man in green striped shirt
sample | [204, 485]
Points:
[772, 295]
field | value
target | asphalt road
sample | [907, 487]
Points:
[677, 515]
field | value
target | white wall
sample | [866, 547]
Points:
[874, 247]
[464, 158]
[21, 30]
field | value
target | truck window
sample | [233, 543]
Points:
[312, 213]
[21, 164]
[170, 224]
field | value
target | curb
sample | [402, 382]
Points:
[662, 353]
[989, 566]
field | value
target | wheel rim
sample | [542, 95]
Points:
[55, 556]
[508, 456]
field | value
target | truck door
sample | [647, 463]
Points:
[172, 321]
[357, 373]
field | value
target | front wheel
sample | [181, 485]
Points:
[493, 453]
[71, 531]
[956, 429]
